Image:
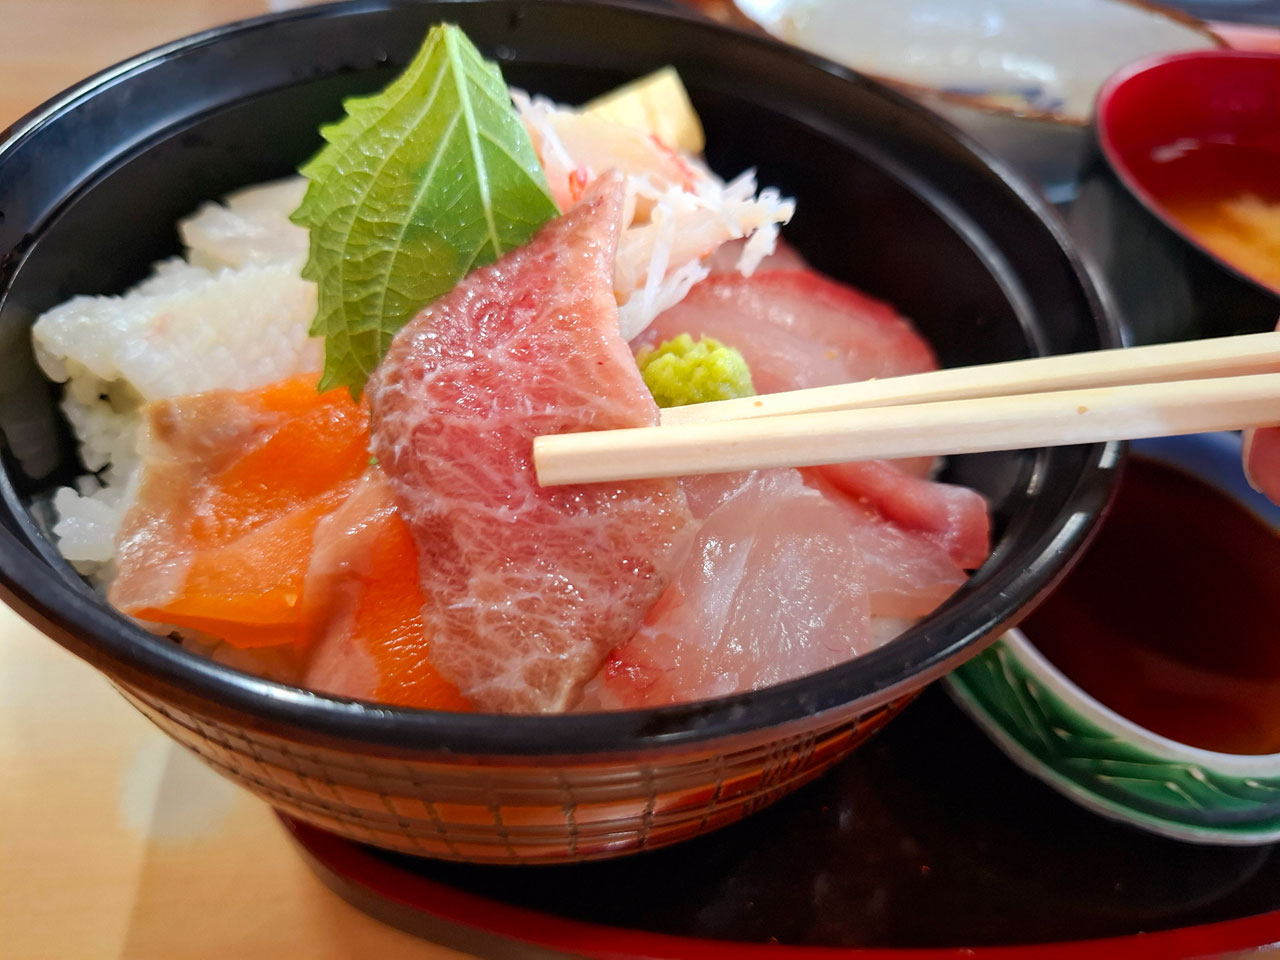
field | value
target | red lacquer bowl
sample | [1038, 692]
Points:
[1168, 286]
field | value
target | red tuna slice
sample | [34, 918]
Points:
[775, 588]
[362, 607]
[527, 589]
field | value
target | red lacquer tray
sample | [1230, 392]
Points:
[927, 843]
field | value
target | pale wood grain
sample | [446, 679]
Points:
[47, 45]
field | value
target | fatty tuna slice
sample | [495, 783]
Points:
[527, 589]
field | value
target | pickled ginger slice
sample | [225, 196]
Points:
[527, 589]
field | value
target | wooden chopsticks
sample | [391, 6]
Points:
[1163, 390]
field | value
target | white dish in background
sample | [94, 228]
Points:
[1019, 75]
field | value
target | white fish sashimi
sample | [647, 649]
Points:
[783, 581]
[774, 589]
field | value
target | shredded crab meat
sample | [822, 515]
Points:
[677, 212]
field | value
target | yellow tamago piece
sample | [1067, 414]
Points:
[657, 104]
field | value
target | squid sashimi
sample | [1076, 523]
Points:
[232, 487]
[527, 588]
[362, 607]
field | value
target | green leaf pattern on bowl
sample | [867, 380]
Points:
[1008, 696]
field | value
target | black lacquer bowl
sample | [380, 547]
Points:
[890, 200]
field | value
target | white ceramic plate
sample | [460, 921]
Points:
[1024, 55]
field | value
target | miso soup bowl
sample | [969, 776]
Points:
[1167, 285]
[1053, 729]
[890, 199]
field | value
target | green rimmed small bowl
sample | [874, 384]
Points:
[1107, 763]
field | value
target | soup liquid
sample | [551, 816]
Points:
[1227, 196]
[1172, 616]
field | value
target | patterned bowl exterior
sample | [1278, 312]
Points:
[534, 811]
[1058, 733]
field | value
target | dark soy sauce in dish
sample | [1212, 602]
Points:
[1172, 617]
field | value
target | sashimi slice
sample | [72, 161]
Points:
[728, 257]
[908, 575]
[250, 226]
[782, 582]
[527, 588]
[232, 487]
[362, 607]
[953, 517]
[774, 589]
[798, 329]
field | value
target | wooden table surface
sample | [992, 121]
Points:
[114, 842]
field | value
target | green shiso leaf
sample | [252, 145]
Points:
[418, 184]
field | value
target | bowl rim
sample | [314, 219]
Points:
[1106, 141]
[987, 104]
[82, 621]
